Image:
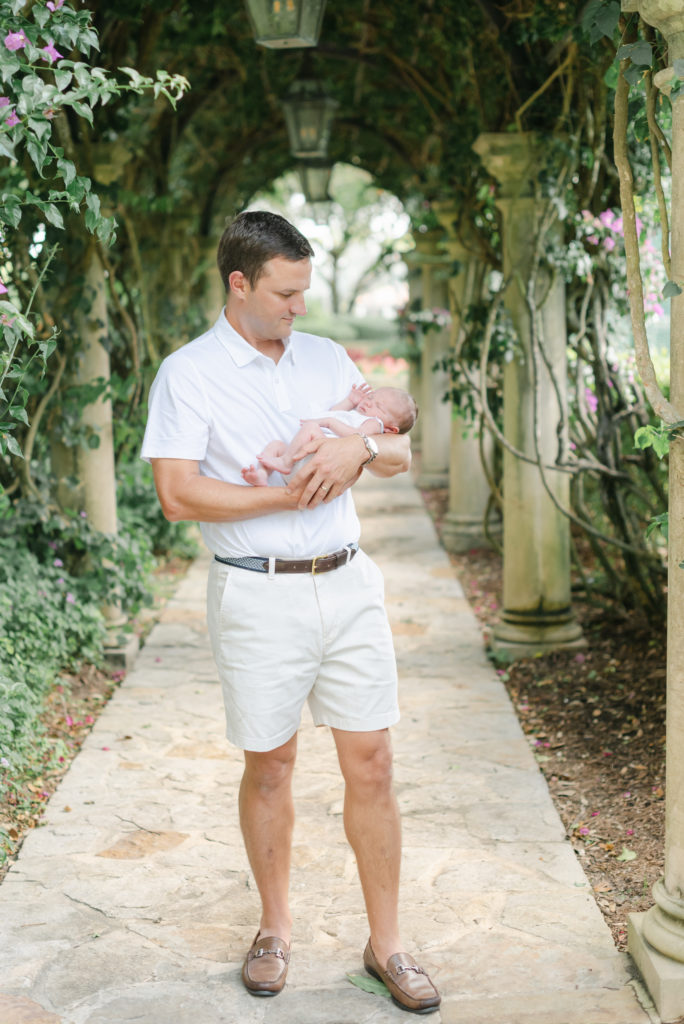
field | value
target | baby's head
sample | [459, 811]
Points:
[395, 408]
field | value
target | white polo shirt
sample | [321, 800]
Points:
[219, 401]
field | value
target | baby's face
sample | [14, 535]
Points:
[383, 403]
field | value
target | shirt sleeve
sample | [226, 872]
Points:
[178, 421]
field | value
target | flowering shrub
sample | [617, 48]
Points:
[38, 84]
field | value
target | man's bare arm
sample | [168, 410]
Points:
[184, 494]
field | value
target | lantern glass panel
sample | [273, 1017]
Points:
[282, 23]
[309, 115]
[315, 178]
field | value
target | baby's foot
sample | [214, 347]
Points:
[276, 462]
[255, 475]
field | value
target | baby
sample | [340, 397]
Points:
[363, 411]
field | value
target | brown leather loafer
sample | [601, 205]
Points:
[408, 984]
[265, 968]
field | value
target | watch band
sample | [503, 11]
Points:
[371, 448]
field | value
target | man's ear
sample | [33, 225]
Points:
[238, 283]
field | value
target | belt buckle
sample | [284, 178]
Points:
[314, 560]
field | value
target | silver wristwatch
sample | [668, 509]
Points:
[371, 447]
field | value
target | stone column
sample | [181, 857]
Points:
[656, 937]
[537, 615]
[463, 525]
[414, 357]
[434, 412]
[85, 475]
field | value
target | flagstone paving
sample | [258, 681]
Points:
[134, 902]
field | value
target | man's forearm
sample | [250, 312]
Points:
[394, 455]
[184, 494]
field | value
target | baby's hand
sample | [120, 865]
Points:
[359, 392]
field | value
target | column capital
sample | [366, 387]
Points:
[448, 214]
[665, 15]
[511, 158]
[428, 244]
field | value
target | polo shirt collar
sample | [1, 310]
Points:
[240, 350]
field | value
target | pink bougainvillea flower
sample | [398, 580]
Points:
[3, 289]
[591, 399]
[11, 120]
[4, 102]
[51, 53]
[54, 6]
[49, 113]
[15, 40]
[58, 563]
[70, 599]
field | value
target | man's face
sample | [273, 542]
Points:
[271, 306]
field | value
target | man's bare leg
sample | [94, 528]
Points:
[267, 820]
[373, 828]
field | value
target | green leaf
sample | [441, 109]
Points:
[67, 170]
[12, 445]
[7, 146]
[642, 53]
[10, 210]
[671, 289]
[369, 984]
[63, 79]
[19, 414]
[53, 215]
[627, 855]
[660, 522]
[634, 74]
[607, 18]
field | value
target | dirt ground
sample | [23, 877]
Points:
[596, 722]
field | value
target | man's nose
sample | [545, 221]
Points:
[298, 305]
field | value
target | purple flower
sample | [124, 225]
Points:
[58, 563]
[591, 400]
[3, 289]
[4, 102]
[51, 53]
[54, 6]
[11, 120]
[60, 580]
[70, 599]
[83, 515]
[16, 40]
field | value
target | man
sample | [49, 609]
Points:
[289, 621]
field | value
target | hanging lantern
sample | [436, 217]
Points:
[315, 178]
[286, 23]
[309, 113]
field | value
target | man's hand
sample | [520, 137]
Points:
[335, 465]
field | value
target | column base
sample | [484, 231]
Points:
[430, 480]
[461, 533]
[663, 977]
[525, 639]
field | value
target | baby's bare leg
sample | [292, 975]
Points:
[255, 475]
[281, 457]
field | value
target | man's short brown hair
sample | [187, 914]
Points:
[252, 239]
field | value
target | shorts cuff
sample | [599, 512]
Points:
[347, 724]
[260, 745]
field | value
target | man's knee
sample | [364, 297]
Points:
[368, 763]
[272, 769]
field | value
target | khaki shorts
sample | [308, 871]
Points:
[285, 639]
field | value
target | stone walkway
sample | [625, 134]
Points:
[134, 902]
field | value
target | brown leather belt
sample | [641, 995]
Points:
[314, 566]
